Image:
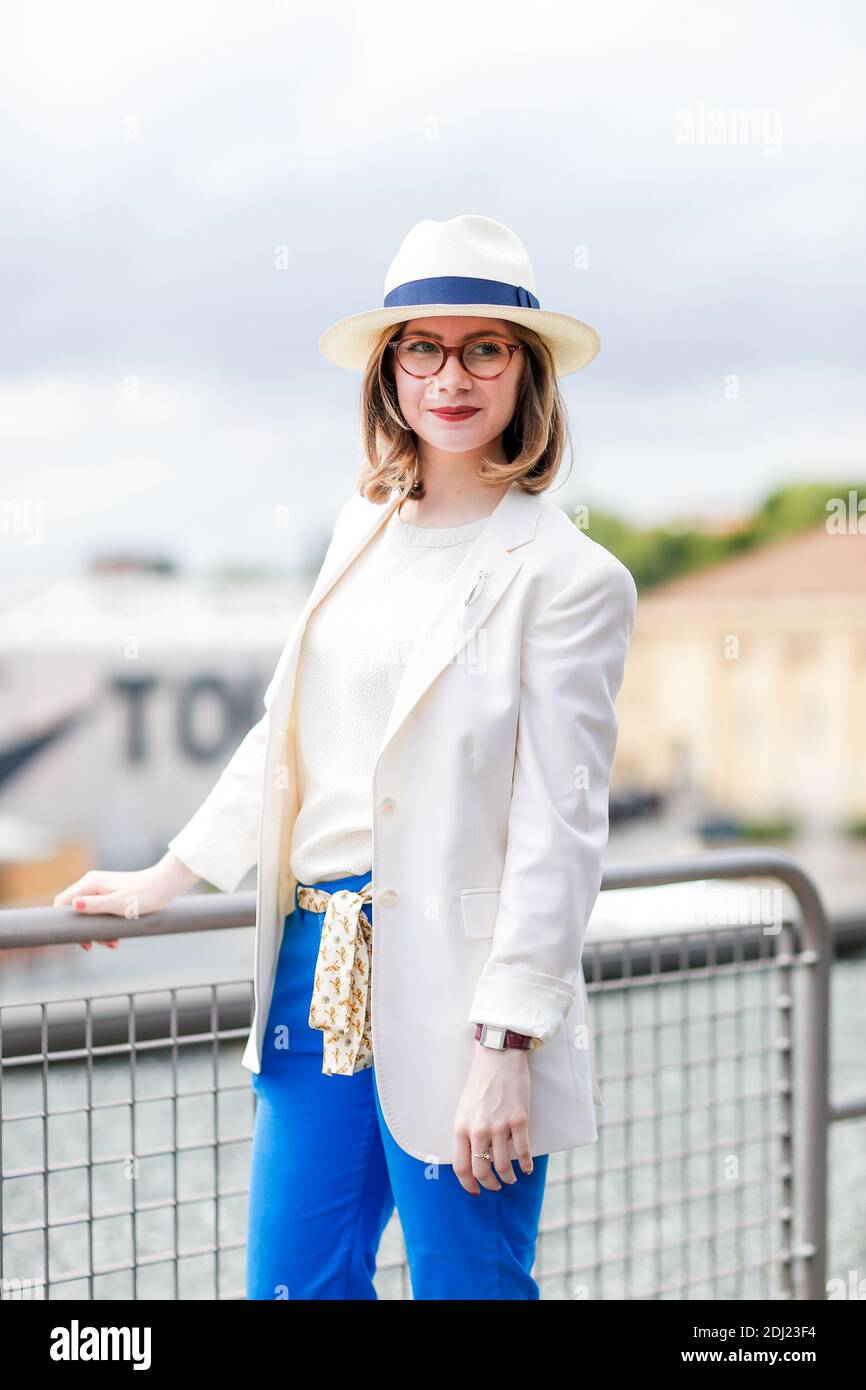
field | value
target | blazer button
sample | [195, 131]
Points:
[387, 804]
[387, 898]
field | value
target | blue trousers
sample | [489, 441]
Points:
[326, 1172]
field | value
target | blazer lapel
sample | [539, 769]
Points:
[459, 611]
[282, 682]
[329, 576]
[467, 600]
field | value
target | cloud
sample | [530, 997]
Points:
[161, 164]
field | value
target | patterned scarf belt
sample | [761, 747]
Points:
[340, 1006]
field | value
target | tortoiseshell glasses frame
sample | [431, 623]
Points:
[445, 353]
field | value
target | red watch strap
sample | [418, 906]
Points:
[512, 1039]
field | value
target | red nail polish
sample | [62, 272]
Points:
[79, 902]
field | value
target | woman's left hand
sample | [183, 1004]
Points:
[493, 1108]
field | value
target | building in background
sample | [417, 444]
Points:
[745, 684]
[123, 694]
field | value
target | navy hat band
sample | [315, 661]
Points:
[460, 289]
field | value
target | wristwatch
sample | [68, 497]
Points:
[492, 1035]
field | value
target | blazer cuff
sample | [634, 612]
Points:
[224, 863]
[525, 1000]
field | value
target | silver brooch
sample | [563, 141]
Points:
[478, 587]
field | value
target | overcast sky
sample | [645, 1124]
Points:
[686, 177]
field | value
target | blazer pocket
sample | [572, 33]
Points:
[479, 907]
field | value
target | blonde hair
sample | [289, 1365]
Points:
[533, 442]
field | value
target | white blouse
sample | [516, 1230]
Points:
[352, 657]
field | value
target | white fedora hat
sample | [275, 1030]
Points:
[468, 267]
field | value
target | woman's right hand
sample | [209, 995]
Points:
[127, 893]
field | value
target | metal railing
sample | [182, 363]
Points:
[125, 1118]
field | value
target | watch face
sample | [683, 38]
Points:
[493, 1036]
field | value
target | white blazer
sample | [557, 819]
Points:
[490, 818]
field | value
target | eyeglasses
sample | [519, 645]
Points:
[483, 357]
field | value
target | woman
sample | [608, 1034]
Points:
[426, 796]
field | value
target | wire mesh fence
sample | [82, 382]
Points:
[126, 1123]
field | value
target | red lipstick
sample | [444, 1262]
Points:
[461, 413]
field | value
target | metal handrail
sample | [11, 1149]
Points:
[44, 926]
